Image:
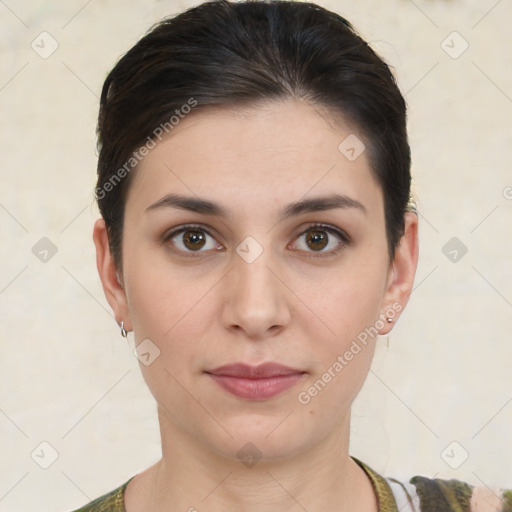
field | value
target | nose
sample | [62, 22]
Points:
[255, 300]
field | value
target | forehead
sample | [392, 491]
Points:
[279, 151]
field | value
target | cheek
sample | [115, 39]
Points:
[161, 297]
[165, 309]
[351, 302]
[350, 308]
[342, 359]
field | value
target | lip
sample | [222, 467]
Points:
[259, 382]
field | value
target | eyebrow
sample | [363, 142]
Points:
[206, 207]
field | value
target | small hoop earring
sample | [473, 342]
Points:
[124, 333]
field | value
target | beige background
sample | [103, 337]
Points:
[70, 380]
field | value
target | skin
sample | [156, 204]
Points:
[286, 306]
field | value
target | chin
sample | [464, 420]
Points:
[257, 439]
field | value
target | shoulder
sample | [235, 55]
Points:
[422, 494]
[110, 502]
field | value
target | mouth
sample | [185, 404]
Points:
[259, 382]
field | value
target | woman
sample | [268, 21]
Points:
[256, 237]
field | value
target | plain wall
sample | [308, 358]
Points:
[70, 380]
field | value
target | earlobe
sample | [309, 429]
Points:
[110, 276]
[402, 272]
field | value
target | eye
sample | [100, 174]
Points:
[318, 237]
[190, 239]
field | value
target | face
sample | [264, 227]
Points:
[287, 263]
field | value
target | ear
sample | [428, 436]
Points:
[107, 270]
[401, 273]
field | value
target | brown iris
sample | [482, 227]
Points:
[317, 237]
[193, 239]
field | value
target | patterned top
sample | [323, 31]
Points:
[420, 494]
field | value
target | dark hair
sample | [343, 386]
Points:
[234, 54]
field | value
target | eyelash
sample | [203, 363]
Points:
[345, 239]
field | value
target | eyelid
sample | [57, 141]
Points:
[344, 237]
[186, 227]
[327, 227]
[321, 226]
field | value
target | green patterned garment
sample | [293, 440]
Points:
[420, 494]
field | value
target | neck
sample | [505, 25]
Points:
[192, 478]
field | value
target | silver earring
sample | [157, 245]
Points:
[389, 320]
[124, 334]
